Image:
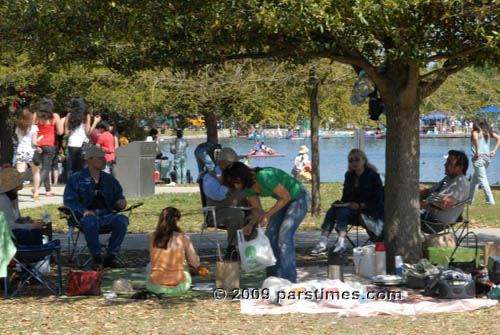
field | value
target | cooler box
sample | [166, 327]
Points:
[494, 269]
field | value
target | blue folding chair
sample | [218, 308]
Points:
[27, 258]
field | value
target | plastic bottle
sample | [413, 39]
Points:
[380, 268]
[398, 264]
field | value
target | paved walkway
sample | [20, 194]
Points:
[303, 239]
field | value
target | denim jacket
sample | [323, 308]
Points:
[370, 191]
[81, 190]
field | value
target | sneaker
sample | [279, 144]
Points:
[110, 262]
[319, 250]
[340, 249]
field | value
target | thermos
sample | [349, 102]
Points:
[380, 268]
[336, 262]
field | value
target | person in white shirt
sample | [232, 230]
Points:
[27, 133]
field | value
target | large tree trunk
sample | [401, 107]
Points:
[6, 145]
[402, 218]
[211, 124]
[312, 92]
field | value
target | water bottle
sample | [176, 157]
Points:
[399, 265]
[380, 268]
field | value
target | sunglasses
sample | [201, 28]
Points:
[355, 159]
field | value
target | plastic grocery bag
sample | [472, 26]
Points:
[255, 254]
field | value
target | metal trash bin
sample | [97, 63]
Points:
[135, 169]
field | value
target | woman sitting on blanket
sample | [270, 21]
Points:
[363, 193]
[168, 247]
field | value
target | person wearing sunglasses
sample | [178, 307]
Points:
[363, 193]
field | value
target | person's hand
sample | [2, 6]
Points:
[354, 205]
[492, 153]
[39, 150]
[97, 118]
[122, 203]
[87, 213]
[263, 220]
[247, 230]
[36, 225]
[477, 154]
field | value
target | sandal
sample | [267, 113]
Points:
[36, 197]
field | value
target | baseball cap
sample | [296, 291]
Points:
[95, 151]
[228, 154]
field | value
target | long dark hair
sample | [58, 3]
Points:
[167, 225]
[79, 111]
[239, 172]
[481, 125]
[25, 121]
[45, 108]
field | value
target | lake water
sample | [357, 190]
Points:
[333, 155]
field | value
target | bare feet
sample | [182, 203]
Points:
[50, 194]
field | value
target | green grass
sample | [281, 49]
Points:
[145, 218]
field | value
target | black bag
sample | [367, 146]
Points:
[467, 267]
[86, 145]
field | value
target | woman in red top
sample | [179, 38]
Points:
[49, 123]
[107, 142]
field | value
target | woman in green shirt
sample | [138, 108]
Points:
[282, 219]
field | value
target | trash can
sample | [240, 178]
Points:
[135, 169]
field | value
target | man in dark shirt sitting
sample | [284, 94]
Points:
[93, 195]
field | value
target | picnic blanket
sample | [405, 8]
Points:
[349, 299]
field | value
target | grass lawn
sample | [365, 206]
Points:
[145, 218]
[35, 312]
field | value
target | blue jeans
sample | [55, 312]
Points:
[91, 225]
[181, 168]
[329, 220]
[480, 178]
[203, 159]
[344, 215]
[281, 230]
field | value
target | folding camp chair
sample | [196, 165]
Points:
[27, 258]
[357, 223]
[74, 224]
[459, 229]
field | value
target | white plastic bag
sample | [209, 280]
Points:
[255, 254]
[376, 226]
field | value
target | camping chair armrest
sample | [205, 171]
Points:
[134, 206]
[68, 214]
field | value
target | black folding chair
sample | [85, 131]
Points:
[74, 224]
[460, 228]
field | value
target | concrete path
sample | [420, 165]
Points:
[303, 239]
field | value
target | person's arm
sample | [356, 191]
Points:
[446, 203]
[34, 136]
[283, 198]
[115, 139]
[97, 119]
[192, 257]
[257, 212]
[378, 193]
[497, 138]
[119, 201]
[71, 197]
[213, 189]
[475, 141]
[59, 124]
[66, 124]
[87, 125]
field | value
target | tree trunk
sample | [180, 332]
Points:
[402, 217]
[6, 145]
[211, 125]
[312, 92]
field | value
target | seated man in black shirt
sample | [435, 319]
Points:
[93, 195]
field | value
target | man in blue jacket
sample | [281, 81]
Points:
[94, 195]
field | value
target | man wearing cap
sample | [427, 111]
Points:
[225, 200]
[93, 195]
[26, 231]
